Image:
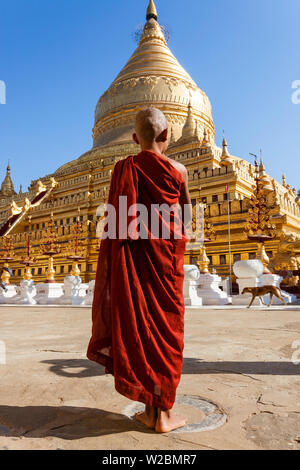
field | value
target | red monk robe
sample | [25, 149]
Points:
[138, 307]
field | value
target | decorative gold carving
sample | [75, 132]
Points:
[27, 205]
[150, 81]
[49, 247]
[152, 32]
[7, 255]
[214, 210]
[235, 206]
[5, 274]
[262, 256]
[288, 253]
[205, 233]
[203, 261]
[76, 245]
[258, 227]
[40, 187]
[28, 259]
[15, 209]
[53, 182]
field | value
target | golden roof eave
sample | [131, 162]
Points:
[17, 213]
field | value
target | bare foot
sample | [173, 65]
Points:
[147, 417]
[168, 421]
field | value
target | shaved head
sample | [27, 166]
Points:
[150, 124]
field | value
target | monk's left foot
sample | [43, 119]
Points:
[147, 417]
[168, 421]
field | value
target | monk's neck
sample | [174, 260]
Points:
[155, 148]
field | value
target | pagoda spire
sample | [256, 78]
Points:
[226, 159]
[264, 179]
[262, 169]
[205, 137]
[283, 180]
[189, 126]
[151, 11]
[7, 187]
[225, 152]
[152, 29]
[172, 137]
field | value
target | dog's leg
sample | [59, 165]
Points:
[284, 301]
[252, 300]
[279, 296]
[271, 299]
[262, 300]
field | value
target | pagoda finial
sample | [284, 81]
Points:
[283, 179]
[151, 11]
[205, 137]
[261, 167]
[226, 158]
[172, 137]
[189, 126]
[264, 180]
[7, 187]
[225, 152]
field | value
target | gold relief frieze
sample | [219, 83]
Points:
[115, 123]
[148, 80]
[118, 118]
[154, 35]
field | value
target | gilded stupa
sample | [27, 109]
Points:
[153, 76]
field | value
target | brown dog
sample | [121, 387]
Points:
[261, 291]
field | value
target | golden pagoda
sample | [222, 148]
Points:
[153, 76]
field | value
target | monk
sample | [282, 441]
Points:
[138, 305]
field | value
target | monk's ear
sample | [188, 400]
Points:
[163, 137]
[134, 136]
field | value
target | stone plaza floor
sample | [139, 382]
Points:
[240, 386]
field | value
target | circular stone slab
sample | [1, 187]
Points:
[211, 416]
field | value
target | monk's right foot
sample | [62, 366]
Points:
[168, 421]
[148, 417]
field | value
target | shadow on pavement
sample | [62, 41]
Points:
[64, 422]
[198, 366]
[63, 367]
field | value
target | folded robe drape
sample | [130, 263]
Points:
[138, 305]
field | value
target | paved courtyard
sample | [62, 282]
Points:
[240, 385]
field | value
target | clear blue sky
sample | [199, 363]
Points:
[59, 56]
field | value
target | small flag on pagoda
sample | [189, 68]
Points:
[227, 188]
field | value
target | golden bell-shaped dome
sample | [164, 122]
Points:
[152, 76]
